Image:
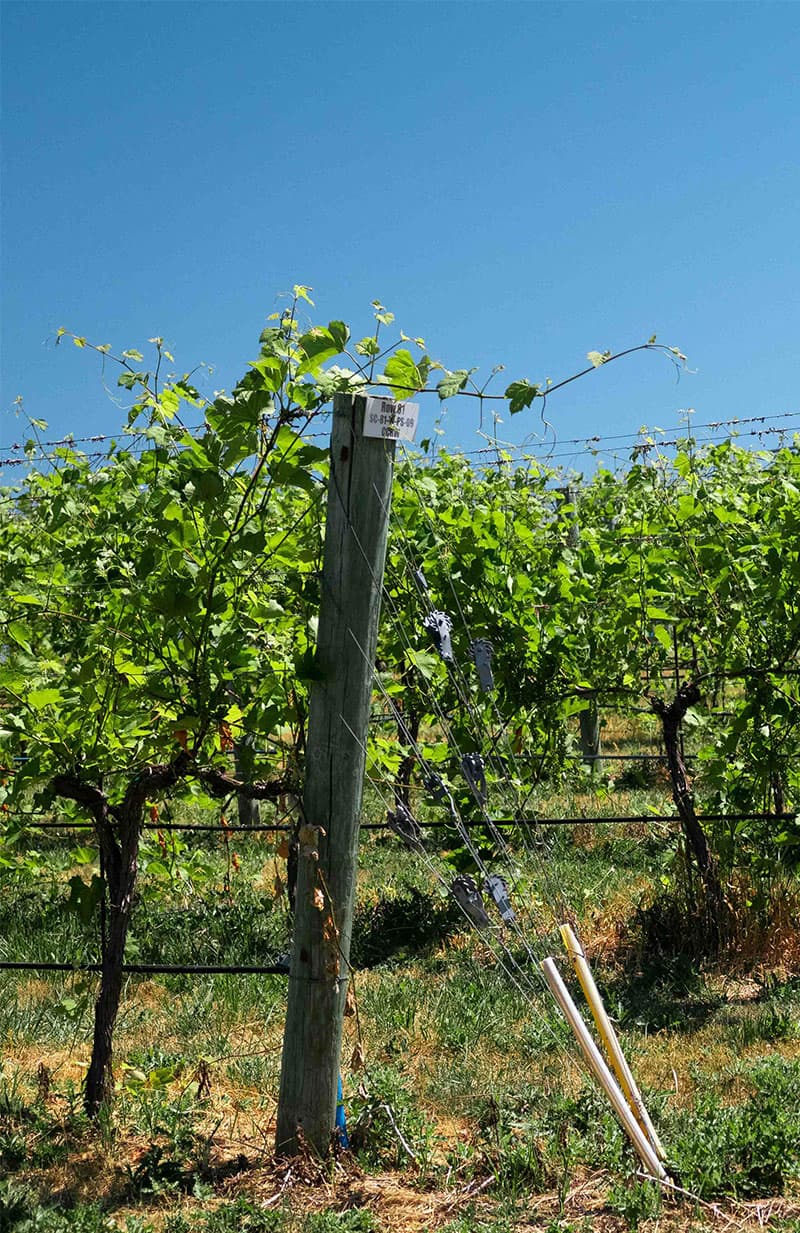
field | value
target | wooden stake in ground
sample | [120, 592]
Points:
[359, 496]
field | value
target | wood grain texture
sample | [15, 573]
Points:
[359, 497]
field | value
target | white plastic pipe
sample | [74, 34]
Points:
[609, 1038]
[601, 1072]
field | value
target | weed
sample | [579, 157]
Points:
[241, 1216]
[669, 992]
[749, 1150]
[30, 1136]
[386, 1128]
[356, 1220]
[16, 1204]
[156, 1113]
[640, 773]
[768, 1023]
[178, 1223]
[446, 1027]
[213, 929]
[178, 1153]
[393, 928]
[481, 1008]
[22, 1212]
[635, 1201]
[157, 1173]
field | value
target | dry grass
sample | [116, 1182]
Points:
[237, 1114]
[398, 1202]
[241, 1123]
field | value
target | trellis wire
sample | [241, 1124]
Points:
[446, 728]
[144, 969]
[578, 819]
[462, 825]
[520, 981]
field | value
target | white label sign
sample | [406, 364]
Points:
[386, 418]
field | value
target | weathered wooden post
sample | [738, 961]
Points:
[591, 743]
[359, 496]
[248, 809]
[589, 717]
[570, 494]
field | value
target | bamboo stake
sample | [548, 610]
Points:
[601, 1072]
[609, 1038]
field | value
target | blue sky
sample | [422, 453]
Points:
[519, 182]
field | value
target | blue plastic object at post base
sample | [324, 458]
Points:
[341, 1122]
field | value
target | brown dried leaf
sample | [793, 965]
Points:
[309, 836]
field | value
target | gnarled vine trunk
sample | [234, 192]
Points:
[119, 830]
[672, 715]
[121, 864]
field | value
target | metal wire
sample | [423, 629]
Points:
[145, 969]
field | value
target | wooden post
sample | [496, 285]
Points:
[248, 809]
[588, 719]
[574, 530]
[359, 496]
[591, 745]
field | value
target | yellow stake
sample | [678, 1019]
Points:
[609, 1038]
[600, 1070]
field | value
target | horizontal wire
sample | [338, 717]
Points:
[207, 969]
[69, 441]
[634, 436]
[159, 826]
[477, 824]
[591, 442]
[647, 447]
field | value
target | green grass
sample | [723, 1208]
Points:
[749, 1148]
[21, 1212]
[467, 1083]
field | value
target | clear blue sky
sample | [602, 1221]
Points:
[519, 182]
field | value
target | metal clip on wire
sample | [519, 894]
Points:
[421, 581]
[481, 651]
[497, 887]
[465, 892]
[439, 625]
[435, 786]
[406, 827]
[473, 768]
